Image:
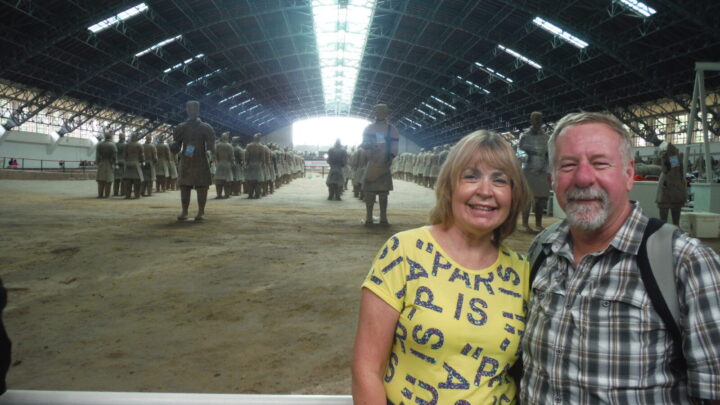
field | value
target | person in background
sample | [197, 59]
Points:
[443, 307]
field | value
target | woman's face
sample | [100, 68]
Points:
[481, 198]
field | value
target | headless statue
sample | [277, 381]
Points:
[193, 139]
[534, 143]
[380, 140]
[105, 158]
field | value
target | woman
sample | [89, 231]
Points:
[442, 309]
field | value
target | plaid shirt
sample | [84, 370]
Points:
[593, 337]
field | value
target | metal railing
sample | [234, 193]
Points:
[47, 164]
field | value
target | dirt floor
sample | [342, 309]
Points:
[116, 295]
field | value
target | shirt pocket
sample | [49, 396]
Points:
[619, 340]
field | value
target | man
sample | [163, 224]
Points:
[337, 159]
[134, 156]
[592, 335]
[193, 139]
[224, 157]
[534, 143]
[380, 139]
[118, 184]
[105, 157]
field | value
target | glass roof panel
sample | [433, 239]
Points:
[559, 32]
[117, 18]
[341, 32]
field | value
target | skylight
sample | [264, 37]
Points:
[241, 104]
[249, 109]
[412, 122]
[183, 63]
[638, 7]
[559, 32]
[203, 77]
[443, 102]
[473, 85]
[231, 97]
[341, 32]
[494, 73]
[117, 18]
[520, 57]
[432, 108]
[425, 114]
[158, 45]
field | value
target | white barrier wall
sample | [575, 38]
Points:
[34, 147]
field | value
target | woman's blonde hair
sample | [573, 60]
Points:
[496, 152]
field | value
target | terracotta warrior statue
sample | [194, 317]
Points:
[149, 166]
[105, 158]
[255, 159]
[534, 143]
[671, 192]
[224, 157]
[162, 168]
[380, 139]
[172, 168]
[193, 139]
[118, 184]
[337, 159]
[134, 156]
[238, 166]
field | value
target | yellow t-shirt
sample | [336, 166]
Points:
[459, 329]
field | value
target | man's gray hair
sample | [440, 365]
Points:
[585, 117]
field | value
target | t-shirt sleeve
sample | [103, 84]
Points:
[386, 278]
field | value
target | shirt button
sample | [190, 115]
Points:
[541, 295]
[605, 304]
[558, 351]
[558, 398]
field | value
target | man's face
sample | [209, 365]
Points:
[590, 179]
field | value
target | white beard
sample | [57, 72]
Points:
[583, 217]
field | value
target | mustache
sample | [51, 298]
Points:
[576, 193]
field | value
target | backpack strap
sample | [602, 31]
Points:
[657, 271]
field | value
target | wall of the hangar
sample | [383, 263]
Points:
[33, 150]
[407, 146]
[282, 137]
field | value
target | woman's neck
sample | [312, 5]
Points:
[467, 249]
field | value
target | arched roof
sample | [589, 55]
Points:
[417, 52]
